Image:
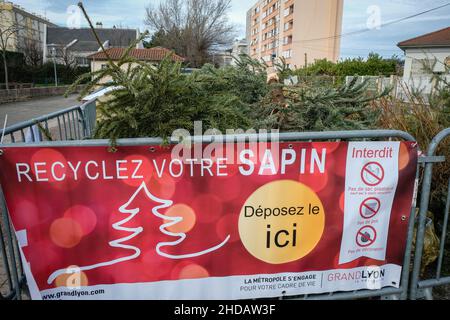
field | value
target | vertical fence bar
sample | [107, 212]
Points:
[6, 262]
[65, 127]
[59, 128]
[87, 120]
[31, 128]
[47, 128]
[18, 261]
[425, 199]
[9, 244]
[77, 121]
[22, 134]
[83, 119]
[75, 125]
[70, 126]
[407, 259]
[444, 234]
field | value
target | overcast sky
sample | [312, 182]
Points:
[358, 14]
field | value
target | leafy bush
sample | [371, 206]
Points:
[375, 65]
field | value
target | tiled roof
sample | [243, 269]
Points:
[440, 38]
[153, 54]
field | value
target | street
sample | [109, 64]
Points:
[26, 110]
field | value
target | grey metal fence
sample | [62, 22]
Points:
[75, 123]
[423, 287]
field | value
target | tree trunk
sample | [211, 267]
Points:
[5, 64]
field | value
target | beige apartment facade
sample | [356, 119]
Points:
[31, 28]
[300, 31]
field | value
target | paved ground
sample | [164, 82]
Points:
[27, 110]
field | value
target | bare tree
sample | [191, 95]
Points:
[66, 58]
[33, 52]
[9, 31]
[191, 27]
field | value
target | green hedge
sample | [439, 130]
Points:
[19, 72]
[374, 65]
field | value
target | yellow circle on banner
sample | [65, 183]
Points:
[281, 222]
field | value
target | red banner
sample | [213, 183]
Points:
[302, 218]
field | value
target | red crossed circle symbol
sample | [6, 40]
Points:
[369, 208]
[372, 174]
[366, 236]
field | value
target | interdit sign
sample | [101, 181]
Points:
[250, 221]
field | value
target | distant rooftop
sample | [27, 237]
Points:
[86, 40]
[152, 54]
[439, 38]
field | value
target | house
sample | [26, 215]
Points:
[240, 47]
[227, 57]
[73, 46]
[222, 58]
[431, 50]
[31, 30]
[155, 55]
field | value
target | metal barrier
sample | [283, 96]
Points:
[392, 293]
[417, 284]
[75, 123]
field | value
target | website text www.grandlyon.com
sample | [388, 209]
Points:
[73, 294]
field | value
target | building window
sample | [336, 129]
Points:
[289, 11]
[287, 54]
[287, 40]
[288, 25]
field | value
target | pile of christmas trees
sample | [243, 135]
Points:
[153, 101]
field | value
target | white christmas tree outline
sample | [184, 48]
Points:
[136, 231]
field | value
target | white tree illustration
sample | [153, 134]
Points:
[134, 251]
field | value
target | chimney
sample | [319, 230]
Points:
[99, 25]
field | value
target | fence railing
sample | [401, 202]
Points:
[417, 283]
[421, 86]
[75, 123]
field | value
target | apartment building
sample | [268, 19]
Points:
[31, 27]
[301, 31]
